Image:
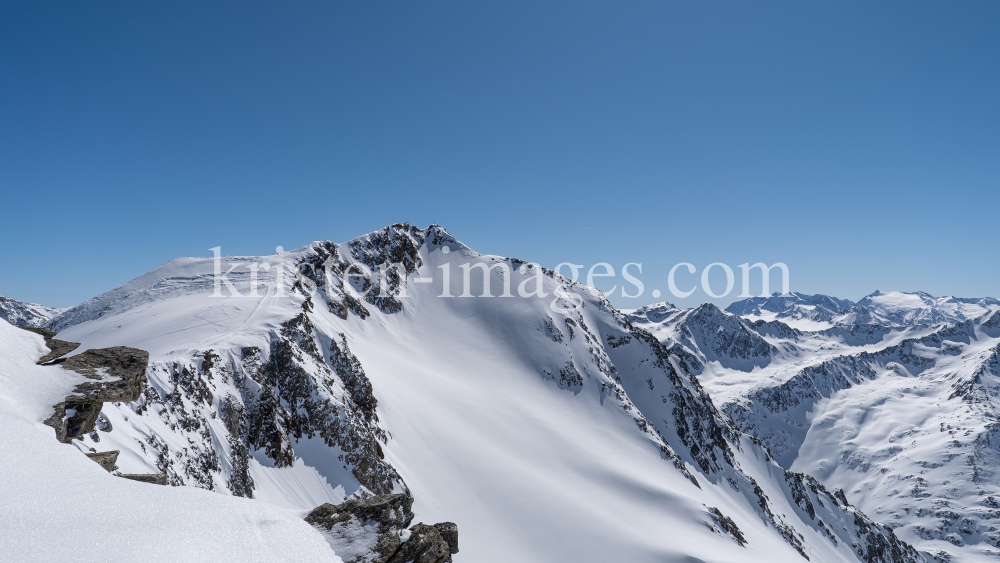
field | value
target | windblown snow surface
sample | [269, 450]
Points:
[58, 505]
[549, 428]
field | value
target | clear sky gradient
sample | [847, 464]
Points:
[858, 142]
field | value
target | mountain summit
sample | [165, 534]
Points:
[550, 427]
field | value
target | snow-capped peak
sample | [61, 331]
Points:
[902, 308]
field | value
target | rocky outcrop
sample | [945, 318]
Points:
[114, 374]
[375, 530]
[427, 544]
[293, 391]
[107, 460]
[723, 524]
[152, 478]
[870, 541]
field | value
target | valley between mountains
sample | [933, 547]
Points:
[548, 428]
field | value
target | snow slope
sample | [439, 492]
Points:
[59, 505]
[548, 430]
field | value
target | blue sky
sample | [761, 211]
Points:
[856, 142]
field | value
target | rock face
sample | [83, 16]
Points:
[152, 478]
[116, 374]
[427, 544]
[374, 530]
[106, 460]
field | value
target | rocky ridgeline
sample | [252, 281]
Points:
[377, 530]
[706, 334]
[793, 305]
[891, 309]
[301, 384]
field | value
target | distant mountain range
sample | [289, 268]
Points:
[894, 308]
[23, 314]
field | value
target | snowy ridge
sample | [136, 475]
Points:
[23, 314]
[794, 306]
[906, 309]
[893, 309]
[547, 433]
[707, 333]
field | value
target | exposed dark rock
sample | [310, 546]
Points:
[361, 528]
[234, 417]
[154, 478]
[73, 419]
[870, 541]
[118, 374]
[726, 525]
[115, 374]
[106, 460]
[388, 511]
[284, 403]
[345, 524]
[449, 531]
[425, 545]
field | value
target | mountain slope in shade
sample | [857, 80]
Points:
[548, 428]
[23, 314]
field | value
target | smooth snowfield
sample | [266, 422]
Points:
[58, 505]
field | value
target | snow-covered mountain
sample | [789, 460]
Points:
[791, 307]
[897, 403]
[23, 314]
[548, 425]
[907, 309]
[884, 308]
